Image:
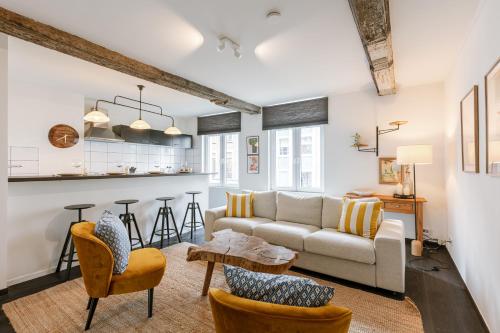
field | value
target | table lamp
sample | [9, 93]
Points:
[413, 155]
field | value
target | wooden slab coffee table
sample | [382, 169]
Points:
[237, 249]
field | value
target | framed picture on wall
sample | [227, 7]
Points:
[252, 145]
[252, 164]
[469, 115]
[492, 94]
[389, 172]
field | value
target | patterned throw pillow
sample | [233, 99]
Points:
[111, 230]
[360, 218]
[277, 289]
[239, 205]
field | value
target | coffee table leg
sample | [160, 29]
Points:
[208, 278]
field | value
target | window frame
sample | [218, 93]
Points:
[222, 162]
[296, 161]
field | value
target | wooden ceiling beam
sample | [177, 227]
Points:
[47, 36]
[374, 27]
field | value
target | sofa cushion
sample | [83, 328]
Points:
[360, 218]
[299, 208]
[332, 243]
[287, 234]
[239, 205]
[277, 289]
[332, 210]
[243, 225]
[264, 204]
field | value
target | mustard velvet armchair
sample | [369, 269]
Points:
[235, 314]
[144, 271]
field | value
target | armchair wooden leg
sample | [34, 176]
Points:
[93, 305]
[150, 302]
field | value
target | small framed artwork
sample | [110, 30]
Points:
[253, 164]
[469, 119]
[492, 94]
[252, 145]
[389, 172]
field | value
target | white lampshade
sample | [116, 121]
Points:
[140, 124]
[173, 131]
[96, 116]
[414, 154]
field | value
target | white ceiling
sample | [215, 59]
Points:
[312, 51]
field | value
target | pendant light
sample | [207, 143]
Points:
[139, 123]
[96, 116]
[172, 130]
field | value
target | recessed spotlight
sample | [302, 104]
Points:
[273, 16]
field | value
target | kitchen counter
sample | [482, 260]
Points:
[15, 179]
[37, 221]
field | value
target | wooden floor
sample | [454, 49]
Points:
[440, 294]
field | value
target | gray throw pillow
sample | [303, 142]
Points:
[277, 289]
[111, 230]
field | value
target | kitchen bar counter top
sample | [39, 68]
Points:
[17, 179]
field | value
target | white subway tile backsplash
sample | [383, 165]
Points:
[115, 147]
[129, 148]
[129, 158]
[98, 167]
[24, 153]
[142, 149]
[104, 157]
[141, 167]
[154, 150]
[114, 157]
[98, 156]
[99, 146]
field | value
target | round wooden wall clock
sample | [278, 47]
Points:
[63, 136]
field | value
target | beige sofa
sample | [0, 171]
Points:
[308, 224]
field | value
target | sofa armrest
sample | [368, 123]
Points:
[211, 215]
[390, 253]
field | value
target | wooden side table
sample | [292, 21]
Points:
[402, 206]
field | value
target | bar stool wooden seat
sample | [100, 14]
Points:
[193, 206]
[166, 214]
[68, 257]
[128, 218]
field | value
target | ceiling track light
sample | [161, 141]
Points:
[223, 40]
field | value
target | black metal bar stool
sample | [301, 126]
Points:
[166, 213]
[193, 206]
[128, 218]
[68, 257]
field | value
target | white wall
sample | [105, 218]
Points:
[347, 169]
[473, 199]
[33, 110]
[3, 159]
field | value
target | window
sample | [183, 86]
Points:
[220, 159]
[296, 159]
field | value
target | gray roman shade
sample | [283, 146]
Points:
[219, 123]
[296, 114]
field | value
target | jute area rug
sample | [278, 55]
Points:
[179, 306]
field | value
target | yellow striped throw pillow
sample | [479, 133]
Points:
[360, 218]
[239, 205]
